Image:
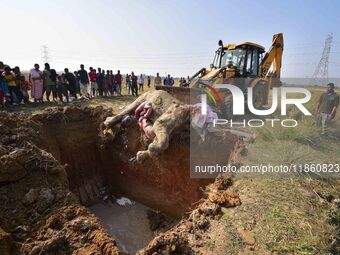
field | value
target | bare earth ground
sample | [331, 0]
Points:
[39, 214]
[274, 216]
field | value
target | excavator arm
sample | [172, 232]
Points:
[273, 58]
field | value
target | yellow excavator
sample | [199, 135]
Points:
[244, 65]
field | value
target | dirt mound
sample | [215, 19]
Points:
[39, 214]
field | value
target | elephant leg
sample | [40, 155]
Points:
[142, 155]
[111, 121]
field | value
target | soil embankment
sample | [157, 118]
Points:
[45, 156]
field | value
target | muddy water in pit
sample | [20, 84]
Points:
[128, 225]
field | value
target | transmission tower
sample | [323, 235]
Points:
[45, 54]
[321, 71]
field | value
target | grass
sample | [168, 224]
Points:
[287, 215]
[302, 144]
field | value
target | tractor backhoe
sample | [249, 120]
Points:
[244, 65]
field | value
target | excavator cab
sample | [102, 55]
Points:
[250, 65]
[242, 60]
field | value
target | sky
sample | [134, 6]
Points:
[170, 37]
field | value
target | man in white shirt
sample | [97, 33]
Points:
[141, 82]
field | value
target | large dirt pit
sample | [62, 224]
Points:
[46, 155]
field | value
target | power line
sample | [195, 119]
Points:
[321, 71]
[45, 54]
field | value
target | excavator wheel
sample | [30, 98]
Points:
[259, 95]
[227, 109]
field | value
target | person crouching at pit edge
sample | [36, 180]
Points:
[326, 107]
[62, 88]
[72, 83]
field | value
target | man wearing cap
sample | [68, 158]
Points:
[326, 107]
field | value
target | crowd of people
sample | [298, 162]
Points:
[82, 84]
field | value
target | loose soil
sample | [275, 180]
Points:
[55, 164]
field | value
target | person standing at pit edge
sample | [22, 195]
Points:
[134, 86]
[107, 82]
[37, 83]
[169, 81]
[149, 81]
[158, 80]
[141, 82]
[50, 82]
[326, 107]
[128, 83]
[118, 82]
[100, 81]
[93, 81]
[112, 88]
[83, 82]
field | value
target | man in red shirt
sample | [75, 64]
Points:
[93, 81]
[118, 81]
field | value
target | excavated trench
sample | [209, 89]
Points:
[100, 170]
